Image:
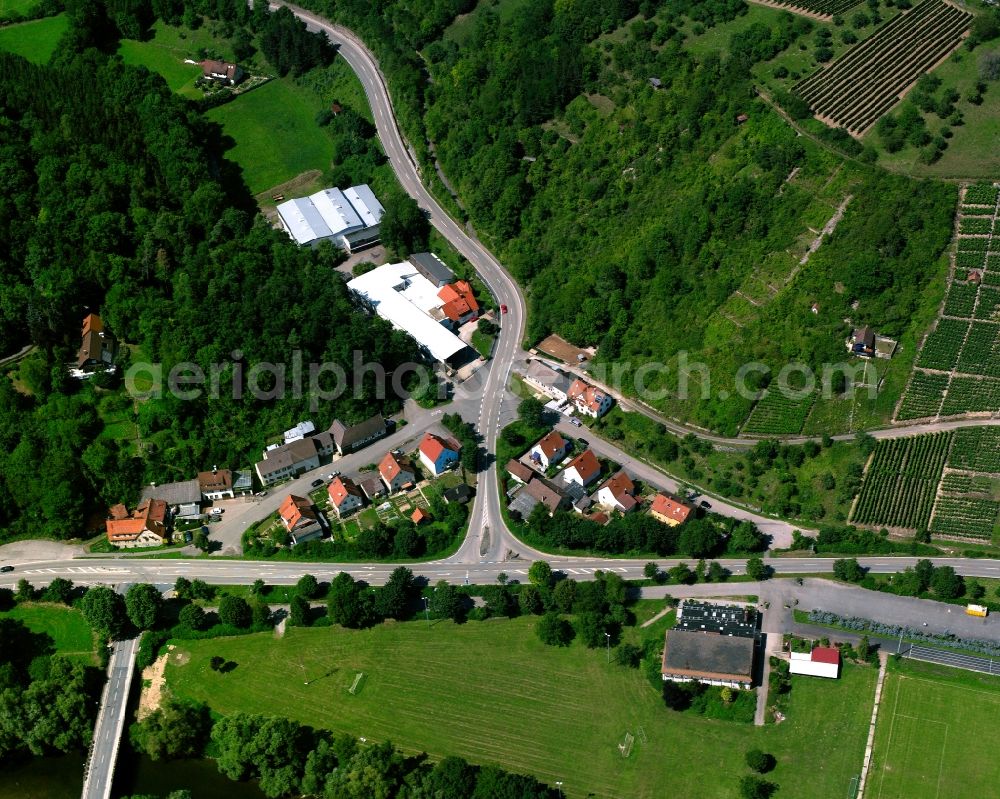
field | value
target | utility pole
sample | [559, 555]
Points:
[427, 612]
[607, 638]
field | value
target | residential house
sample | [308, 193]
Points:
[285, 461]
[372, 487]
[438, 454]
[221, 71]
[822, 661]
[863, 342]
[216, 484]
[549, 381]
[345, 496]
[670, 511]
[589, 400]
[583, 469]
[97, 346]
[539, 491]
[348, 438]
[298, 516]
[183, 492]
[432, 268]
[519, 472]
[618, 493]
[144, 527]
[397, 473]
[459, 303]
[243, 482]
[549, 450]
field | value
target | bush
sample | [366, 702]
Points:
[759, 761]
[553, 630]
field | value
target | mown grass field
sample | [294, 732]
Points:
[935, 728]
[36, 40]
[275, 133]
[66, 626]
[491, 692]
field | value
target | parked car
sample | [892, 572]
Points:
[6, 568]
[574, 421]
[503, 309]
[217, 511]
[332, 475]
[316, 483]
[706, 504]
[261, 494]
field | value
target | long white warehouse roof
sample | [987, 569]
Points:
[395, 290]
[330, 212]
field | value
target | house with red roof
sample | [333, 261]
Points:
[549, 450]
[618, 493]
[146, 526]
[345, 496]
[583, 469]
[459, 303]
[438, 454]
[396, 473]
[419, 516]
[519, 471]
[98, 347]
[822, 661]
[589, 400]
[299, 518]
[672, 512]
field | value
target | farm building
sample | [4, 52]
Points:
[822, 661]
[349, 218]
[401, 294]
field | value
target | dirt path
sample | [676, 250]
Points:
[152, 686]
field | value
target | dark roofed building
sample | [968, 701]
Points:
[548, 493]
[519, 471]
[724, 619]
[181, 493]
[372, 486]
[348, 438]
[708, 657]
[432, 268]
[460, 494]
[222, 71]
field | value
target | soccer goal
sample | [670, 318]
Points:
[625, 747]
[356, 685]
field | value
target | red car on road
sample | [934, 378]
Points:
[503, 309]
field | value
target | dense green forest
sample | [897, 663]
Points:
[115, 199]
[634, 216]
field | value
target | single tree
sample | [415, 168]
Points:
[142, 603]
[759, 761]
[848, 570]
[235, 611]
[447, 602]
[757, 569]
[553, 630]
[104, 611]
[531, 411]
[193, 617]
[298, 615]
[540, 574]
[257, 589]
[307, 586]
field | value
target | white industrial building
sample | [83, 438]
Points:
[402, 295]
[349, 218]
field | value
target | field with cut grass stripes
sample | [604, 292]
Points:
[493, 693]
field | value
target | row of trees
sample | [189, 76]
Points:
[288, 758]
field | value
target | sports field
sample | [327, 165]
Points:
[493, 693]
[935, 735]
[36, 40]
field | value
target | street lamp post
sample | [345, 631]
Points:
[607, 638]
[427, 613]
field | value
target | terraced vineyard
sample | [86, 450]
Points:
[976, 449]
[776, 414]
[900, 485]
[923, 396]
[965, 517]
[965, 344]
[821, 8]
[865, 83]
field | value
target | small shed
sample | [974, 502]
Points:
[822, 661]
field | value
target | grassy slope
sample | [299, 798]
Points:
[36, 40]
[492, 692]
[68, 629]
[934, 724]
[19, 6]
